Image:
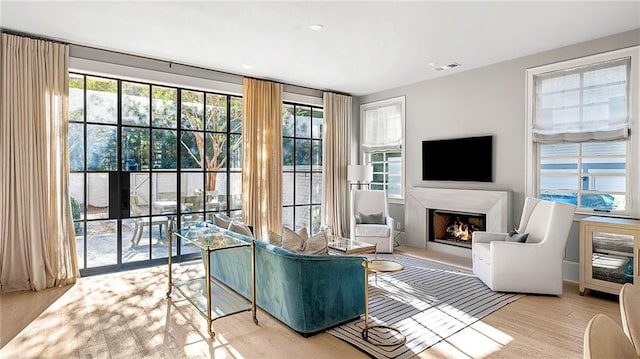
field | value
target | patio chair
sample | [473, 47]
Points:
[141, 222]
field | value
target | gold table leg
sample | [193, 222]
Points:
[367, 328]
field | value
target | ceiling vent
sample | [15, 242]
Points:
[447, 67]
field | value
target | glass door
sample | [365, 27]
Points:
[143, 159]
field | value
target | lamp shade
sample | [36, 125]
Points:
[360, 173]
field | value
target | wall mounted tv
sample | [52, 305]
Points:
[458, 159]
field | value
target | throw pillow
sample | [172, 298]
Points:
[373, 218]
[275, 239]
[316, 244]
[240, 228]
[514, 236]
[222, 220]
[294, 241]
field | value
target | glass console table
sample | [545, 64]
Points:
[213, 299]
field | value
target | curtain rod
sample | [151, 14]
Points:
[168, 62]
[31, 36]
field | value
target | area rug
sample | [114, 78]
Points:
[427, 301]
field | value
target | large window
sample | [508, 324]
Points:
[580, 148]
[382, 136]
[302, 127]
[171, 155]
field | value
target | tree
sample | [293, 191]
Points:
[210, 153]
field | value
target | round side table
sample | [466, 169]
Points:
[378, 266]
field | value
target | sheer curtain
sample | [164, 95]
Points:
[584, 104]
[335, 201]
[37, 238]
[262, 156]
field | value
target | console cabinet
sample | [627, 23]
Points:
[609, 253]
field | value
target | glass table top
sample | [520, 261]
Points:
[208, 237]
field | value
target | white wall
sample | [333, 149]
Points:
[484, 101]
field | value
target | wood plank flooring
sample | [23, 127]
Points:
[126, 315]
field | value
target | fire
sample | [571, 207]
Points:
[460, 230]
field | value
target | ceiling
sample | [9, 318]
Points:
[364, 47]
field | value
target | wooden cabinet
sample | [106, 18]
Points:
[609, 253]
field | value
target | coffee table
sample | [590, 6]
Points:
[350, 246]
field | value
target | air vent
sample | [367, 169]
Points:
[447, 67]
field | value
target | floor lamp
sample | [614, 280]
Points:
[359, 175]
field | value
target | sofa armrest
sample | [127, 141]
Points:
[487, 237]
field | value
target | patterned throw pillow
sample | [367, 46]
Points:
[300, 242]
[222, 220]
[275, 239]
[373, 218]
[294, 241]
[514, 236]
[240, 228]
[316, 244]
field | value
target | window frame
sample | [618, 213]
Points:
[311, 172]
[178, 171]
[532, 150]
[366, 156]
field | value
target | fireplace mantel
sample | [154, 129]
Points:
[495, 204]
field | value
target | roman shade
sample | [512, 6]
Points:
[588, 103]
[382, 128]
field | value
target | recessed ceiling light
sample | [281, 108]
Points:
[316, 27]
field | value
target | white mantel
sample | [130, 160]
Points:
[496, 205]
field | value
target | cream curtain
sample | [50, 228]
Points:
[37, 238]
[262, 156]
[335, 208]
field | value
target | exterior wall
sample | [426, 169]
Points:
[484, 101]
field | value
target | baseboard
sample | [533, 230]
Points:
[570, 271]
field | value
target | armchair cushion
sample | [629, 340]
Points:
[373, 218]
[514, 236]
[372, 230]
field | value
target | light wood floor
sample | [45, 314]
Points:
[126, 315]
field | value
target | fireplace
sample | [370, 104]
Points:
[454, 227]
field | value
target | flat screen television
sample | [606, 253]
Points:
[458, 159]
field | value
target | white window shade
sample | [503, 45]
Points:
[382, 129]
[582, 104]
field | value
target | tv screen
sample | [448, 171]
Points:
[459, 159]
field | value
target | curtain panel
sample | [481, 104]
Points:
[37, 237]
[335, 197]
[589, 103]
[262, 156]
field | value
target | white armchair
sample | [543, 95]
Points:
[531, 267]
[370, 202]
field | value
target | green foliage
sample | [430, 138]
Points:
[75, 211]
[100, 84]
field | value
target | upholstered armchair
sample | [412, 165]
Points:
[370, 220]
[506, 264]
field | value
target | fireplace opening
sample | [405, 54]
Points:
[454, 228]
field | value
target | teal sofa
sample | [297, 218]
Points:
[308, 293]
